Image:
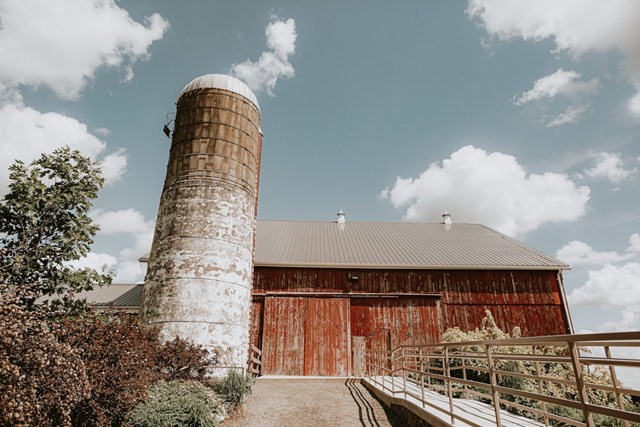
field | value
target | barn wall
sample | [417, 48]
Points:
[528, 299]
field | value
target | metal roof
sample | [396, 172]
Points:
[118, 295]
[222, 81]
[393, 245]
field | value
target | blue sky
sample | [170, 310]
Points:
[523, 116]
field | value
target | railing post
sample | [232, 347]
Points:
[494, 392]
[582, 392]
[464, 373]
[540, 388]
[421, 376]
[404, 379]
[449, 389]
[614, 380]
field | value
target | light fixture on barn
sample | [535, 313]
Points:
[165, 128]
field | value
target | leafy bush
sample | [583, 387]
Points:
[119, 356]
[123, 358]
[234, 388]
[42, 379]
[177, 403]
[180, 360]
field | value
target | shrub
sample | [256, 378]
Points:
[42, 379]
[123, 358]
[180, 360]
[120, 357]
[177, 403]
[234, 388]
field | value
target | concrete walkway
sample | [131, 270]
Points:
[296, 402]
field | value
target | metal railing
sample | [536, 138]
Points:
[555, 380]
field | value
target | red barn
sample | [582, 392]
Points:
[323, 291]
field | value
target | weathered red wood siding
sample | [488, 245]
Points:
[305, 336]
[283, 336]
[303, 333]
[255, 329]
[326, 345]
[531, 299]
[395, 321]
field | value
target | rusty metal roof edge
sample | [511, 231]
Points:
[413, 267]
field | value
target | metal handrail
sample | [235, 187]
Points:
[448, 369]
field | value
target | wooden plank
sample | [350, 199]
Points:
[359, 346]
[389, 323]
[283, 336]
[326, 350]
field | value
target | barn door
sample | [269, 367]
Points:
[390, 322]
[306, 336]
[283, 336]
[326, 343]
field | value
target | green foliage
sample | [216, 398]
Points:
[60, 363]
[44, 225]
[176, 403]
[234, 388]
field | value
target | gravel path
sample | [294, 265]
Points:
[311, 403]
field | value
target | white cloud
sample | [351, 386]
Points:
[575, 26]
[25, 133]
[629, 321]
[124, 221]
[559, 83]
[634, 243]
[114, 166]
[104, 132]
[579, 253]
[488, 188]
[95, 261]
[573, 114]
[274, 64]
[611, 285]
[133, 224]
[62, 45]
[609, 166]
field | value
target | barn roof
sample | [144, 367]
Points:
[393, 245]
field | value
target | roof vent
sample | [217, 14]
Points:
[341, 217]
[447, 218]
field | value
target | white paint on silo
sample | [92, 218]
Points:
[198, 283]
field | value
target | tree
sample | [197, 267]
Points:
[44, 225]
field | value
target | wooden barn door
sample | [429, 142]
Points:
[306, 336]
[283, 336]
[387, 323]
[326, 350]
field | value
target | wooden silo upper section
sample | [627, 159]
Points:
[216, 134]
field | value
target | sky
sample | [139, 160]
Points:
[523, 116]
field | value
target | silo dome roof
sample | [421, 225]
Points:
[222, 81]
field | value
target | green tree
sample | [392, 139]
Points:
[44, 225]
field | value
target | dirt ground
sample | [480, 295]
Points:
[307, 403]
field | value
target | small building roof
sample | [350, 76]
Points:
[394, 245]
[115, 295]
[222, 81]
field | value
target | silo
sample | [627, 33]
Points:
[198, 283]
